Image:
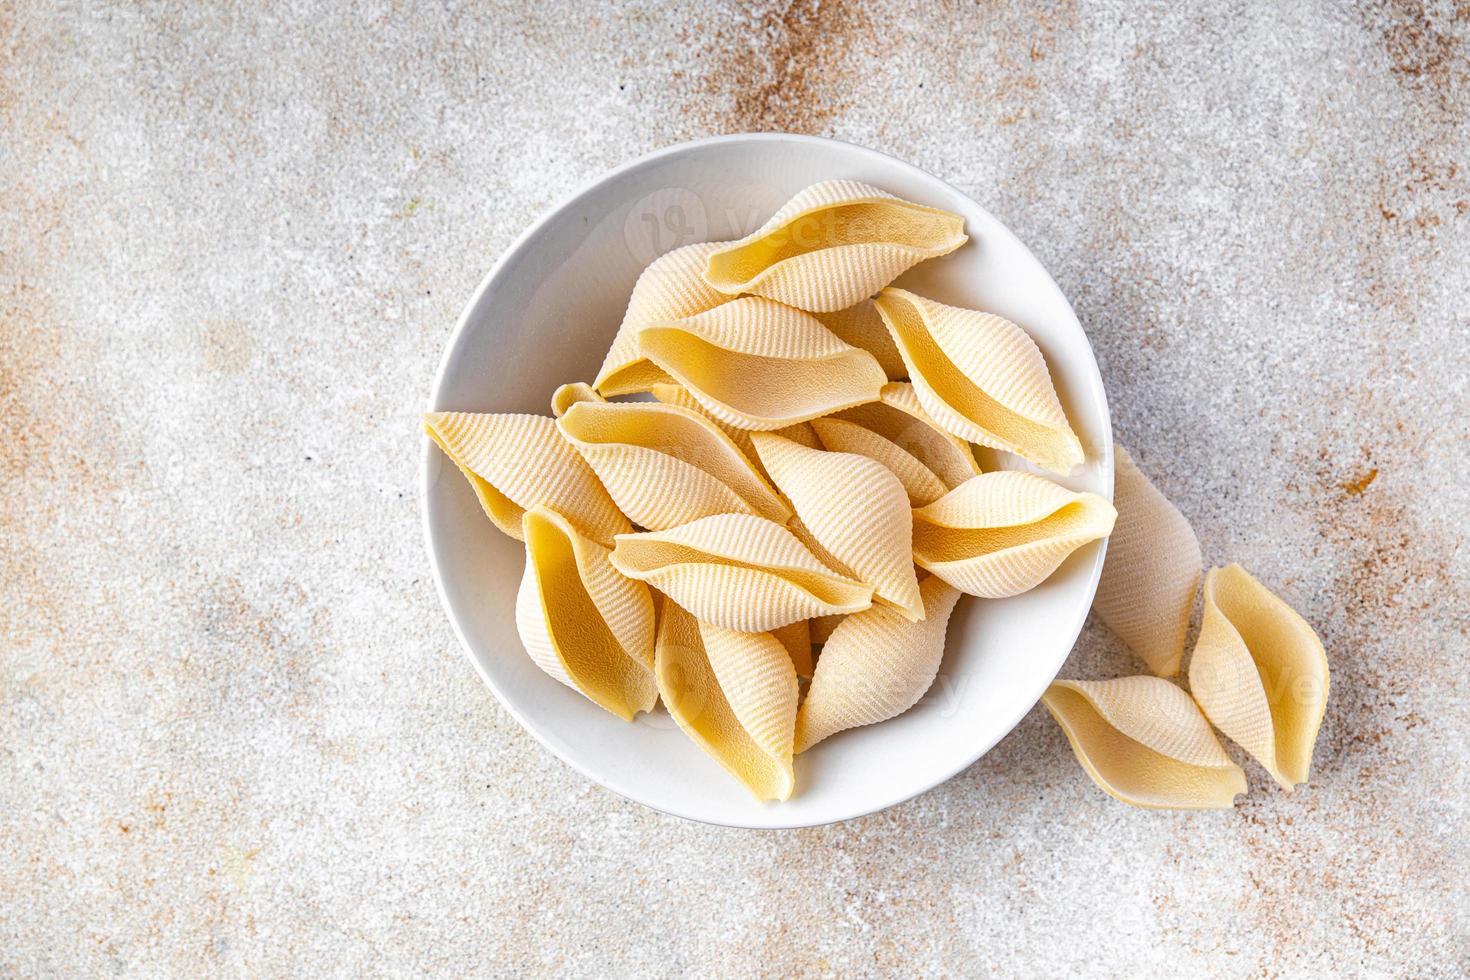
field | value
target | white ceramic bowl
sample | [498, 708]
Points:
[546, 313]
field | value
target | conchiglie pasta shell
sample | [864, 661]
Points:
[1152, 571]
[567, 395]
[670, 288]
[823, 628]
[861, 326]
[713, 690]
[1145, 742]
[1001, 534]
[738, 571]
[582, 622]
[665, 466]
[756, 364]
[797, 639]
[896, 431]
[673, 393]
[876, 665]
[919, 482]
[516, 462]
[832, 245]
[1260, 674]
[982, 378]
[856, 509]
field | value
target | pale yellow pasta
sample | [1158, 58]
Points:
[806, 537]
[1152, 571]
[567, 395]
[1001, 534]
[1260, 674]
[665, 466]
[814, 437]
[856, 509]
[734, 695]
[738, 571]
[982, 378]
[516, 462]
[832, 245]
[861, 326]
[673, 393]
[797, 639]
[1145, 742]
[876, 665]
[756, 364]
[582, 622]
[801, 433]
[670, 288]
[823, 627]
[896, 431]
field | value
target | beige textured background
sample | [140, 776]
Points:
[236, 733]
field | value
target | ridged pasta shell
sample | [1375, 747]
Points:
[582, 622]
[797, 639]
[738, 571]
[1152, 571]
[856, 509]
[665, 466]
[1001, 534]
[807, 538]
[982, 378]
[673, 393]
[823, 627]
[833, 244]
[1260, 674]
[896, 431]
[876, 665]
[734, 694]
[670, 288]
[567, 395]
[1145, 742]
[756, 364]
[861, 326]
[516, 462]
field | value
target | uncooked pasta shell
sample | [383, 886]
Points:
[897, 432]
[861, 326]
[876, 665]
[1260, 674]
[982, 378]
[516, 462]
[1152, 571]
[673, 393]
[823, 628]
[1001, 534]
[797, 639]
[670, 288]
[832, 245]
[1145, 742]
[582, 622]
[567, 395]
[734, 694]
[665, 465]
[856, 509]
[756, 364]
[738, 571]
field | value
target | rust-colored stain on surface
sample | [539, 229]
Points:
[1355, 487]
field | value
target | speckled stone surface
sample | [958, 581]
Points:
[236, 733]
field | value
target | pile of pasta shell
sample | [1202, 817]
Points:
[1258, 672]
[773, 544]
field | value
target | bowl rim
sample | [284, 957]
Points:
[427, 475]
